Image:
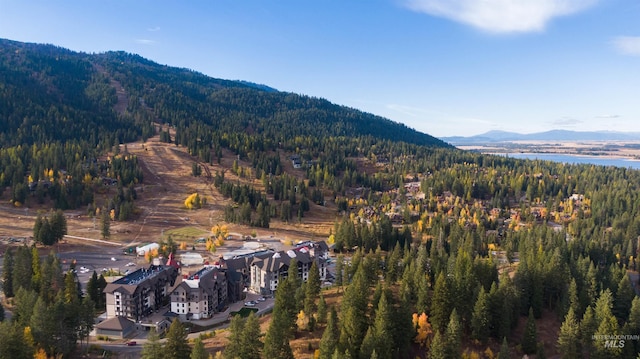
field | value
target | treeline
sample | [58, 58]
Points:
[50, 314]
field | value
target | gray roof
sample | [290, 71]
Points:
[116, 323]
[141, 277]
[274, 262]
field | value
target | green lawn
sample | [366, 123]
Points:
[186, 233]
[244, 312]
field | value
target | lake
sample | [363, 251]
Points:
[577, 159]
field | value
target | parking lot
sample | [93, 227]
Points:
[109, 260]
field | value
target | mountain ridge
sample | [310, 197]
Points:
[67, 81]
[496, 136]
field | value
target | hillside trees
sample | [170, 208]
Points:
[48, 303]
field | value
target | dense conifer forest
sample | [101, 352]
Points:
[440, 251]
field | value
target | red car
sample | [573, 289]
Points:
[131, 343]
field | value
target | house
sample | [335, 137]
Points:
[140, 293]
[199, 295]
[266, 272]
[116, 327]
[296, 162]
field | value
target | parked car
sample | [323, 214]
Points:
[250, 303]
[261, 299]
[131, 343]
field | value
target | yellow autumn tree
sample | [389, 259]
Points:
[183, 245]
[210, 246]
[40, 354]
[149, 255]
[220, 230]
[423, 329]
[302, 320]
[28, 337]
[219, 242]
[193, 201]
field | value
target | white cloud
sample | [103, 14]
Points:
[608, 116]
[145, 41]
[154, 29]
[501, 16]
[628, 45]
[566, 122]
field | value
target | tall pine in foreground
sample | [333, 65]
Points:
[233, 349]
[198, 351]
[153, 348]
[250, 341]
[176, 346]
[329, 341]
[353, 310]
[569, 338]
[276, 340]
[530, 335]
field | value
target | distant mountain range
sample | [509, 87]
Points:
[553, 135]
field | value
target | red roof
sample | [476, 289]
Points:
[172, 262]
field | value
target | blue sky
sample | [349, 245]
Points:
[444, 67]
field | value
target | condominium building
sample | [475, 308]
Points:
[140, 293]
[199, 295]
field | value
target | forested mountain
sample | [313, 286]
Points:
[60, 110]
[53, 94]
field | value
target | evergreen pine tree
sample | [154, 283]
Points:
[438, 348]
[624, 296]
[105, 224]
[453, 335]
[383, 329]
[36, 278]
[540, 354]
[7, 274]
[441, 304]
[607, 326]
[569, 338]
[632, 326]
[353, 323]
[329, 341]
[480, 318]
[176, 346]
[153, 348]
[588, 327]
[234, 349]
[198, 351]
[250, 341]
[504, 350]
[276, 340]
[322, 310]
[368, 344]
[92, 288]
[530, 335]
